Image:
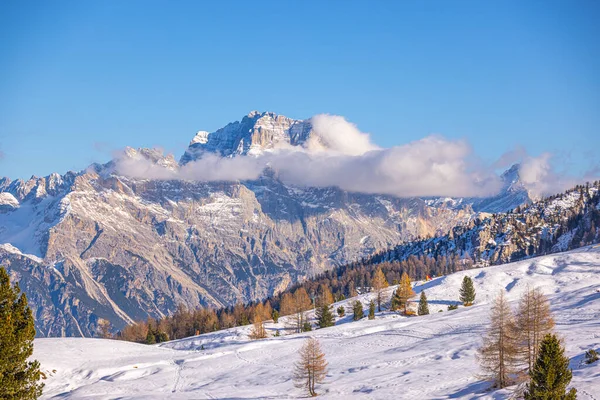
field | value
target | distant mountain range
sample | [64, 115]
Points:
[98, 244]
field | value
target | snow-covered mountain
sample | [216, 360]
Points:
[98, 244]
[427, 357]
[562, 222]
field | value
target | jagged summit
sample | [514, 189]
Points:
[255, 133]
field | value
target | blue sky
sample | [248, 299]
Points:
[79, 79]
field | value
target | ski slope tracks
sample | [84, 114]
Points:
[428, 357]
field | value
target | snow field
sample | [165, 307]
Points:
[428, 357]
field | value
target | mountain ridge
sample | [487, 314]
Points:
[96, 244]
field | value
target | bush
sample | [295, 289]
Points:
[591, 356]
[452, 307]
[341, 311]
[307, 327]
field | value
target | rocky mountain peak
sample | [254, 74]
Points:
[256, 133]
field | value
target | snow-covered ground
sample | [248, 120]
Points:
[429, 357]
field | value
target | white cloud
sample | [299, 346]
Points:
[339, 154]
[540, 177]
[334, 133]
[432, 166]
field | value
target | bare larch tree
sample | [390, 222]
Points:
[311, 369]
[499, 354]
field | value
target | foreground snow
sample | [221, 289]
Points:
[429, 357]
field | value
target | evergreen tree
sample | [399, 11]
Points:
[341, 311]
[423, 306]
[551, 374]
[275, 316]
[467, 292]
[18, 377]
[150, 337]
[325, 316]
[357, 309]
[371, 309]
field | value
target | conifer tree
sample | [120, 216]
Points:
[371, 309]
[551, 374]
[403, 293]
[499, 354]
[423, 306]
[325, 316]
[19, 378]
[258, 329]
[104, 328]
[275, 316]
[357, 309]
[533, 321]
[467, 292]
[311, 369]
[150, 336]
[379, 283]
[341, 311]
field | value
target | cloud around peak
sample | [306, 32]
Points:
[338, 154]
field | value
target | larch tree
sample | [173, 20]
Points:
[423, 305]
[550, 375]
[301, 304]
[379, 283]
[324, 296]
[104, 328]
[533, 321]
[498, 356]
[258, 328]
[467, 292]
[287, 305]
[403, 293]
[19, 378]
[311, 369]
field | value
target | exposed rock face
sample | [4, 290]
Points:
[95, 245]
[255, 133]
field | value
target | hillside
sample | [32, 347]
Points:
[429, 357]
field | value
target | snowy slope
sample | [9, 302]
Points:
[429, 357]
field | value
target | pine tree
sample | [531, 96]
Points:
[551, 374]
[341, 311]
[533, 321]
[467, 292]
[357, 309]
[371, 309]
[498, 355]
[423, 306]
[311, 369]
[19, 378]
[150, 337]
[325, 316]
[403, 293]
[275, 316]
[379, 283]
